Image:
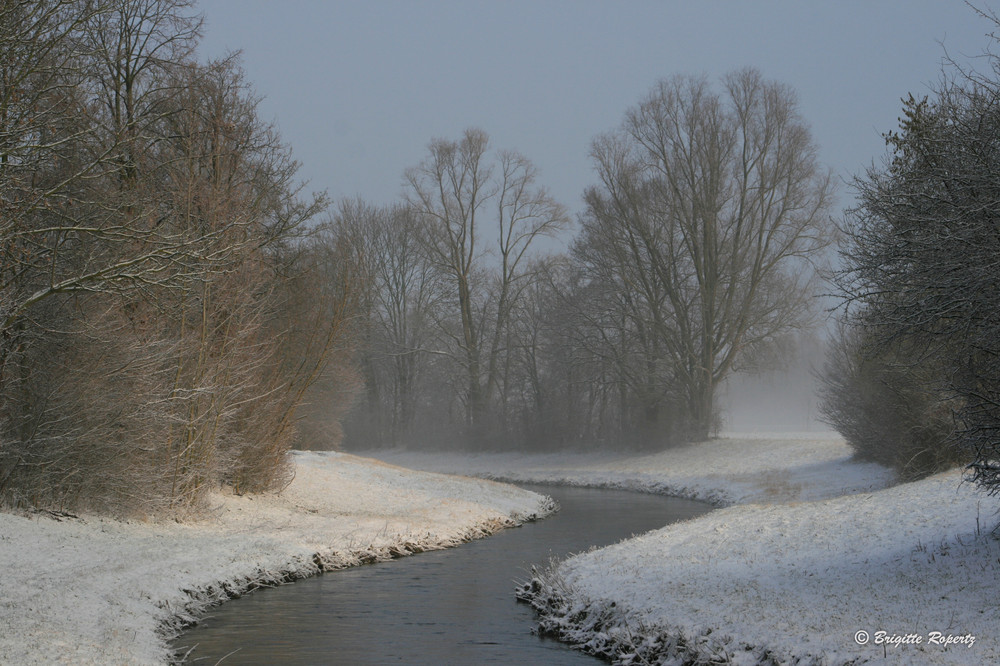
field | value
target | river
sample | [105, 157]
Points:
[453, 606]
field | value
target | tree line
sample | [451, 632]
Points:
[163, 313]
[694, 257]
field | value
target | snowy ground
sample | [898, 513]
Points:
[794, 573]
[734, 469]
[87, 590]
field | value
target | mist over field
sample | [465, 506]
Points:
[780, 400]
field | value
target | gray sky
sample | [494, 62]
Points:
[360, 88]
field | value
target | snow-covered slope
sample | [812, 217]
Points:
[734, 469]
[93, 591]
[819, 561]
[794, 583]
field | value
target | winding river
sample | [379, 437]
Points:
[453, 606]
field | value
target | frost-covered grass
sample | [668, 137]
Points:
[815, 549]
[734, 469]
[793, 583]
[93, 591]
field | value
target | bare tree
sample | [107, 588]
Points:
[40, 109]
[134, 44]
[473, 205]
[401, 296]
[710, 207]
[224, 174]
[79, 240]
[161, 320]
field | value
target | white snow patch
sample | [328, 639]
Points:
[95, 591]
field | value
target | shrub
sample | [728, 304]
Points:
[886, 403]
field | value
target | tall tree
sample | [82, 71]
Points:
[481, 214]
[161, 319]
[711, 204]
[402, 295]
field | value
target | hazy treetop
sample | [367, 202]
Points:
[359, 88]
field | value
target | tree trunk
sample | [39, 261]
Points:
[701, 408]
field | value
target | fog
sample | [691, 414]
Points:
[778, 400]
[575, 346]
[695, 258]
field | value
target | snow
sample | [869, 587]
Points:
[798, 581]
[732, 469]
[813, 549]
[95, 591]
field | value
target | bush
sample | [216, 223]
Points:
[921, 247]
[886, 403]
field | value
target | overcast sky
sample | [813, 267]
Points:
[359, 88]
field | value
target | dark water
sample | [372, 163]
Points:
[453, 606]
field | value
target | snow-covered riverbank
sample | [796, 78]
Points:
[820, 562]
[794, 584]
[815, 560]
[87, 590]
[736, 469]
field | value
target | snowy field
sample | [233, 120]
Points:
[734, 469]
[92, 591]
[818, 561]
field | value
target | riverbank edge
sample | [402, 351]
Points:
[201, 599]
[601, 623]
[717, 499]
[730, 470]
[87, 589]
[599, 628]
